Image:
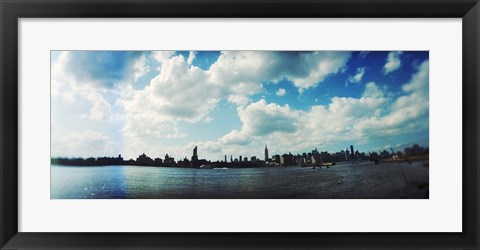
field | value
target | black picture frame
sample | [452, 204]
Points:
[12, 10]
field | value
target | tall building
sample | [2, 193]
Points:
[195, 163]
[266, 153]
[352, 153]
[225, 158]
[231, 158]
[286, 159]
[169, 160]
[195, 155]
[276, 158]
[316, 156]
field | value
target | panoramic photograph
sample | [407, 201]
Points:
[239, 124]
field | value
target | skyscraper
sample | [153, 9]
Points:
[351, 152]
[194, 156]
[266, 153]
[225, 158]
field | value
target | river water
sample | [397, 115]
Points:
[343, 181]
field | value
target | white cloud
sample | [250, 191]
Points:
[260, 118]
[60, 81]
[68, 89]
[357, 78]
[140, 67]
[191, 57]
[240, 100]
[235, 138]
[250, 68]
[82, 144]
[100, 109]
[393, 62]
[375, 114]
[409, 112]
[185, 93]
[280, 92]
[179, 92]
[162, 56]
[318, 65]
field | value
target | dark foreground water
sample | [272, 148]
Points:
[343, 181]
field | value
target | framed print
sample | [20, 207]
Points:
[274, 124]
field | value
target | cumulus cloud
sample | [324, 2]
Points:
[409, 112]
[260, 118]
[100, 109]
[235, 138]
[100, 69]
[162, 56]
[191, 57]
[375, 114]
[318, 65]
[304, 69]
[280, 92]
[239, 99]
[82, 144]
[357, 78]
[140, 67]
[393, 62]
[67, 88]
[185, 93]
[179, 92]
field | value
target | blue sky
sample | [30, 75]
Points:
[106, 103]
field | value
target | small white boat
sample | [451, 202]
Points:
[206, 166]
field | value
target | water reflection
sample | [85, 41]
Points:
[342, 181]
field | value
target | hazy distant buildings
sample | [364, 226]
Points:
[158, 161]
[276, 159]
[286, 159]
[416, 150]
[314, 158]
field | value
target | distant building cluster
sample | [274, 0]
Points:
[313, 158]
[415, 150]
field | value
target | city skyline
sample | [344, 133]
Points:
[234, 102]
[314, 157]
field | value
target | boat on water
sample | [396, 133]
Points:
[205, 166]
[327, 164]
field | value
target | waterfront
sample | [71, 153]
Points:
[361, 180]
